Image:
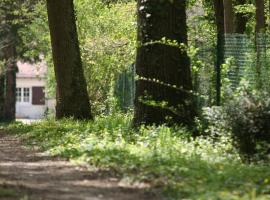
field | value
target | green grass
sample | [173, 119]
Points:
[5, 192]
[168, 158]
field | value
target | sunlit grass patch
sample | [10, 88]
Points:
[167, 158]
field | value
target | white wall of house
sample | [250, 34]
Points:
[26, 109]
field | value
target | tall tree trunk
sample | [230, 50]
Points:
[10, 79]
[72, 97]
[260, 18]
[10, 97]
[260, 30]
[164, 76]
[2, 95]
[268, 14]
[219, 15]
[228, 16]
[240, 19]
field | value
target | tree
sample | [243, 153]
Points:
[13, 16]
[8, 55]
[260, 18]
[2, 95]
[163, 69]
[219, 18]
[2, 79]
[241, 19]
[10, 78]
[228, 16]
[260, 30]
[72, 97]
[226, 20]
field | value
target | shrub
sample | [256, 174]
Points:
[248, 114]
[212, 123]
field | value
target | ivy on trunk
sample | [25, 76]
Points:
[164, 84]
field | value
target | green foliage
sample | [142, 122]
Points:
[108, 43]
[8, 192]
[14, 16]
[212, 123]
[246, 9]
[202, 48]
[167, 158]
[248, 114]
[37, 41]
[107, 35]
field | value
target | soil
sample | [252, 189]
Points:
[29, 174]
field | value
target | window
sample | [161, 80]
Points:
[18, 94]
[26, 94]
[38, 96]
[23, 95]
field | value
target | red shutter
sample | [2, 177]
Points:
[38, 96]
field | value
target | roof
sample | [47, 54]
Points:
[28, 70]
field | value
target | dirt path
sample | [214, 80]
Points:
[32, 175]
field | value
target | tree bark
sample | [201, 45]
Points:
[219, 15]
[228, 16]
[8, 55]
[2, 95]
[260, 42]
[10, 79]
[164, 76]
[72, 96]
[268, 14]
[240, 19]
[260, 18]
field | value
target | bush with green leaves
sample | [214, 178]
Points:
[248, 114]
[212, 123]
[108, 42]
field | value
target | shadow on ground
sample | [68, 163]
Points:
[32, 175]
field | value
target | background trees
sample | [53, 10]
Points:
[2, 94]
[14, 15]
[107, 36]
[241, 18]
[164, 64]
[8, 37]
[107, 33]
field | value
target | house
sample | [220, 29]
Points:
[31, 100]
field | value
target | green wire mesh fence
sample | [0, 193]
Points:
[248, 59]
[125, 88]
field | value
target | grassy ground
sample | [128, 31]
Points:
[5, 192]
[168, 158]
[8, 193]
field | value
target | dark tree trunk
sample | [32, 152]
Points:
[241, 19]
[10, 79]
[164, 77]
[268, 14]
[2, 95]
[219, 15]
[260, 34]
[260, 18]
[72, 97]
[228, 16]
[10, 97]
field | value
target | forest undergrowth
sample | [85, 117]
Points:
[167, 158]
